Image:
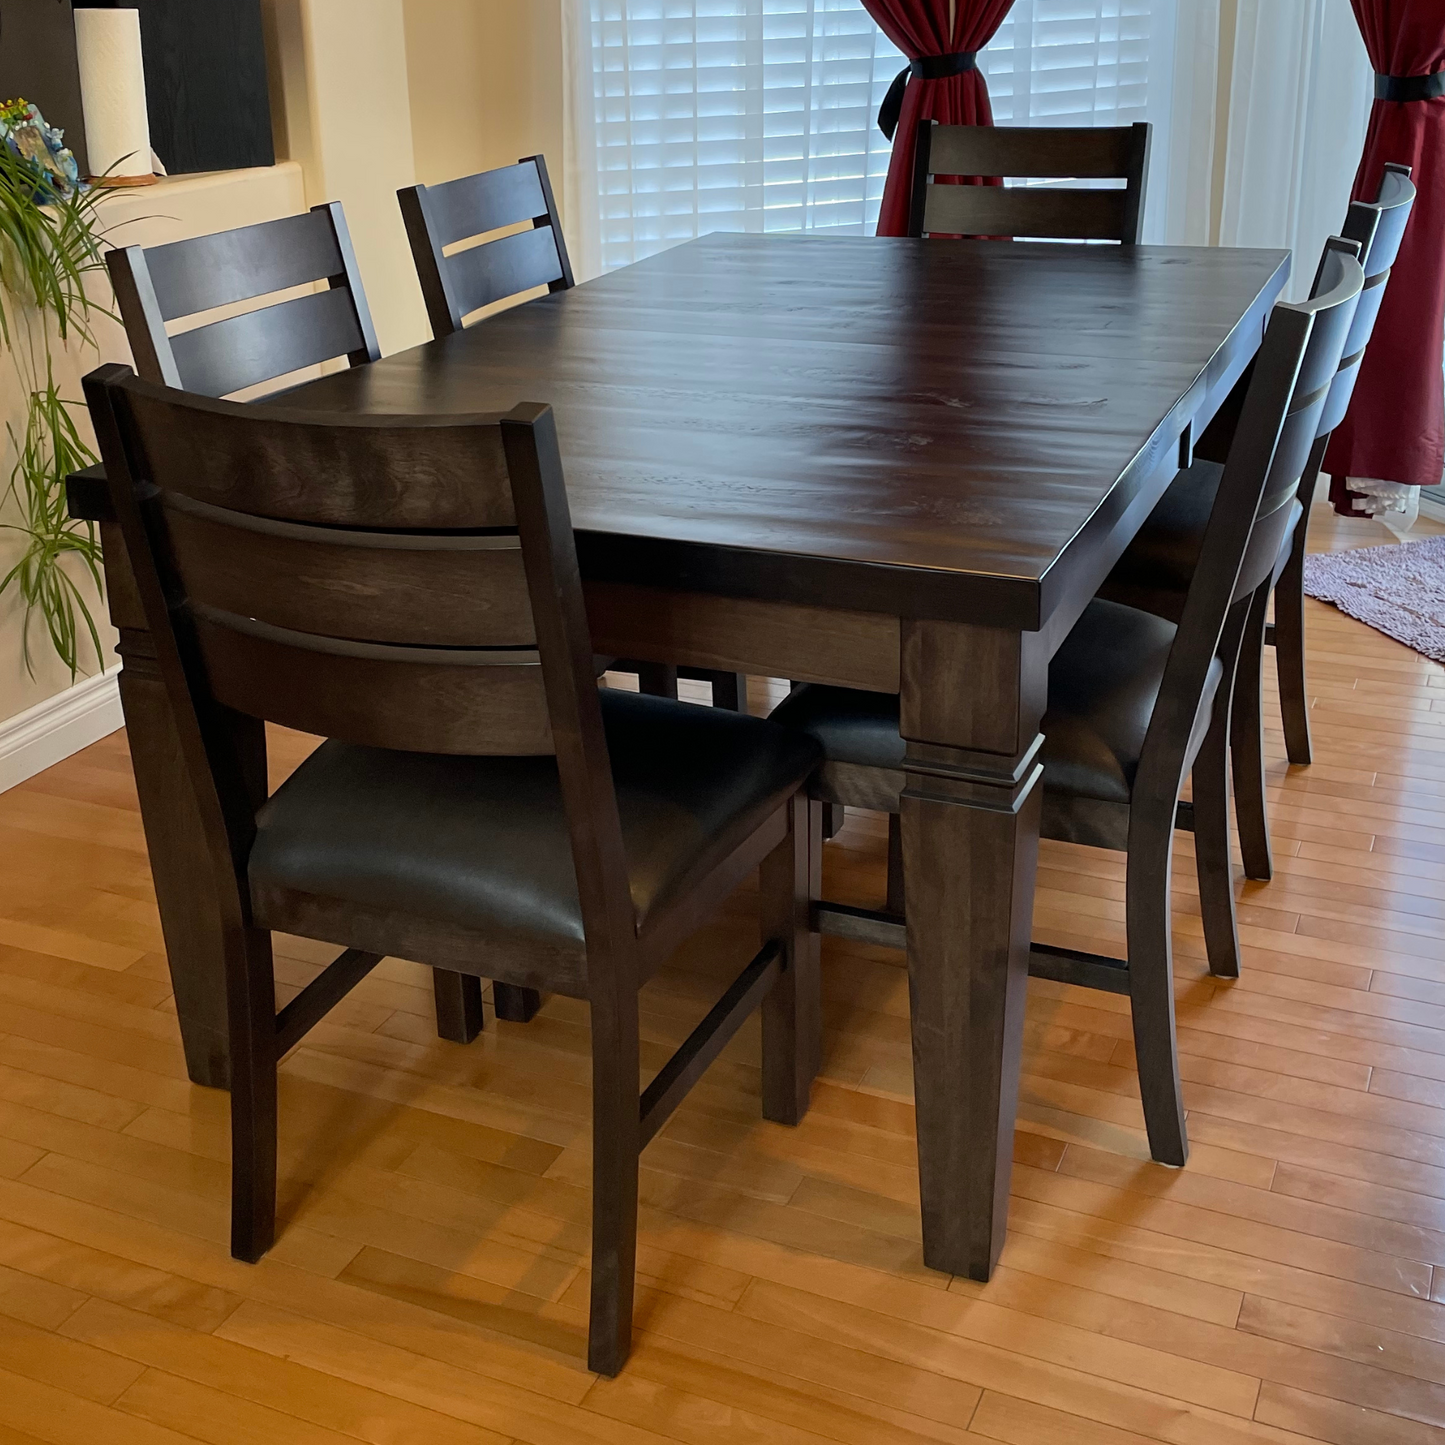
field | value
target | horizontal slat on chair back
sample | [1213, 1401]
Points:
[1025, 211]
[1379, 227]
[356, 578]
[1321, 362]
[505, 267]
[432, 474]
[413, 699]
[228, 356]
[209, 271]
[477, 204]
[1088, 153]
[439, 590]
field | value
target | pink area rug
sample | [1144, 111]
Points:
[1399, 590]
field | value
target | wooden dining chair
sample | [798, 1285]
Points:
[1050, 212]
[162, 284]
[471, 214]
[1379, 227]
[159, 285]
[1135, 703]
[408, 589]
[488, 268]
[1154, 572]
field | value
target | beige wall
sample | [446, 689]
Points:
[339, 103]
[170, 211]
[367, 96]
[486, 84]
[373, 95]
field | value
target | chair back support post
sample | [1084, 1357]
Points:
[140, 310]
[1137, 192]
[348, 279]
[922, 170]
[609, 919]
[431, 269]
[554, 582]
[225, 796]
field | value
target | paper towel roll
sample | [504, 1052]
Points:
[113, 95]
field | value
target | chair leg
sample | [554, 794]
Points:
[251, 1015]
[792, 1010]
[1246, 745]
[1213, 863]
[729, 690]
[1289, 653]
[616, 1144]
[816, 814]
[514, 1004]
[1211, 853]
[460, 1016]
[894, 903]
[834, 816]
[657, 679]
[1151, 988]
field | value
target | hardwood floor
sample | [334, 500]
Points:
[429, 1284]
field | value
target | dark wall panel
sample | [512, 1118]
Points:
[206, 89]
[37, 60]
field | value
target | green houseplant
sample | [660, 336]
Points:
[50, 243]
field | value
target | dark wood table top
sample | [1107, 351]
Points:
[926, 427]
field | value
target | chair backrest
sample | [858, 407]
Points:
[169, 283]
[438, 217]
[1330, 313]
[1379, 227]
[1034, 153]
[395, 581]
[1256, 505]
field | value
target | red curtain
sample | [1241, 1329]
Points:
[920, 28]
[1395, 429]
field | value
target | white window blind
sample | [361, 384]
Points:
[1080, 62]
[760, 115]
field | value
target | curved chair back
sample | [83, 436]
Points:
[355, 578]
[1256, 504]
[1379, 227]
[1327, 318]
[1034, 153]
[165, 284]
[438, 217]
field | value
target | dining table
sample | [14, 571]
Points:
[898, 465]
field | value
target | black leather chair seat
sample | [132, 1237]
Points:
[1103, 683]
[482, 842]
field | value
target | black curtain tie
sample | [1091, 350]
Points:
[927, 67]
[1407, 87]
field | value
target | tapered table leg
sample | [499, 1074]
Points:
[971, 703]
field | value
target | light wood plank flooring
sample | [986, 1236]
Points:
[430, 1281]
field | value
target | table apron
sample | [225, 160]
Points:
[740, 634]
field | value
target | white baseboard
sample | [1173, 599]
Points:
[52, 730]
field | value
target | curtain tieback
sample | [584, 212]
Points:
[1410, 87]
[927, 67]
